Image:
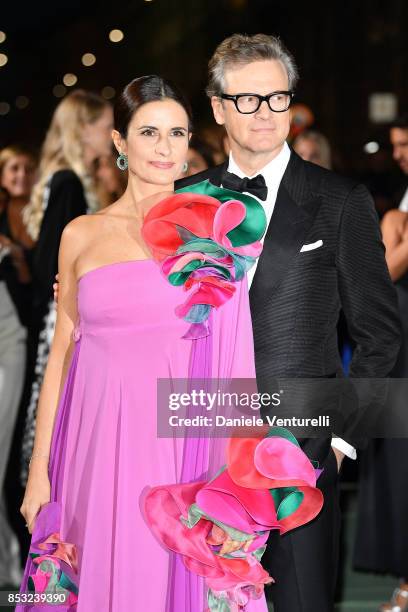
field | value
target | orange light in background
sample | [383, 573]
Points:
[2, 36]
[3, 59]
[116, 36]
[88, 59]
[69, 79]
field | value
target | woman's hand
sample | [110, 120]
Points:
[37, 493]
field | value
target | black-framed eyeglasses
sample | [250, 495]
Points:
[247, 103]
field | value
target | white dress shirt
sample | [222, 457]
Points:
[404, 202]
[273, 173]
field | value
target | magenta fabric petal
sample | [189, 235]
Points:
[252, 250]
[228, 216]
[163, 507]
[280, 459]
[197, 331]
[245, 509]
[47, 522]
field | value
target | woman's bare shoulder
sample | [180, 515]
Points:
[82, 226]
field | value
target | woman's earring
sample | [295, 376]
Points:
[185, 166]
[122, 162]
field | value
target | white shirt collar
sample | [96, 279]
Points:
[272, 172]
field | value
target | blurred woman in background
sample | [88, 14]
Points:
[110, 181]
[200, 157]
[79, 133]
[17, 176]
[17, 172]
[313, 147]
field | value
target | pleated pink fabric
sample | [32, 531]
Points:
[105, 452]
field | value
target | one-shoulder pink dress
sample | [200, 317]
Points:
[105, 450]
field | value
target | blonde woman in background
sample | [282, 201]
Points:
[110, 181]
[17, 173]
[80, 133]
[17, 177]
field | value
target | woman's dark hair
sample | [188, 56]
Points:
[141, 91]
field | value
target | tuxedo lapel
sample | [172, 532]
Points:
[288, 228]
[214, 175]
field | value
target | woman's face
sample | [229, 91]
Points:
[97, 135]
[18, 176]
[157, 142]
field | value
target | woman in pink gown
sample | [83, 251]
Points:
[91, 540]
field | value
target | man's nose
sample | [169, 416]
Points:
[264, 112]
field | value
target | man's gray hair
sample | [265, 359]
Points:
[240, 50]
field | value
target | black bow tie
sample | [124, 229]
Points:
[256, 185]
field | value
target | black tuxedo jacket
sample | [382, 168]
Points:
[296, 296]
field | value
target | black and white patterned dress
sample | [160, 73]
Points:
[64, 200]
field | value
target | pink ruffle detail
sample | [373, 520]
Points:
[229, 215]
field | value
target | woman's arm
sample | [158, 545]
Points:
[395, 236]
[38, 487]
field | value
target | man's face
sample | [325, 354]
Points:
[399, 141]
[261, 132]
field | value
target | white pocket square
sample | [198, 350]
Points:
[311, 246]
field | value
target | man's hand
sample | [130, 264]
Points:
[339, 457]
[55, 287]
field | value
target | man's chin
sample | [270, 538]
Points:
[266, 147]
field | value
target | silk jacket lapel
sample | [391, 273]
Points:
[292, 218]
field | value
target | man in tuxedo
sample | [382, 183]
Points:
[322, 252]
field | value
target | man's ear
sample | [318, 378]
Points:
[218, 110]
[119, 142]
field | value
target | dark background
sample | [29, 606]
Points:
[345, 51]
